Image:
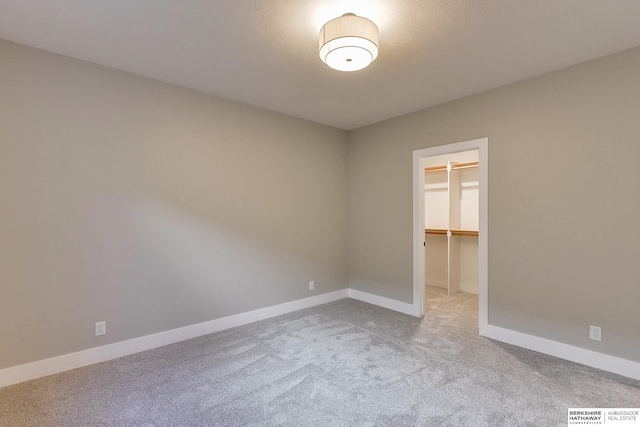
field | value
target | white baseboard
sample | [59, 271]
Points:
[42, 368]
[583, 356]
[616, 365]
[54, 365]
[436, 283]
[469, 288]
[391, 304]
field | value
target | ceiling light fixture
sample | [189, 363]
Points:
[349, 43]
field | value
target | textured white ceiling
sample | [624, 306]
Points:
[264, 52]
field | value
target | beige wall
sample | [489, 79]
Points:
[152, 207]
[564, 201]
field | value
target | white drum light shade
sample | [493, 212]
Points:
[349, 43]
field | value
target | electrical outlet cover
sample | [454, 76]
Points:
[101, 328]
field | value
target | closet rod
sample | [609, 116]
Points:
[454, 166]
[453, 232]
[435, 231]
[464, 233]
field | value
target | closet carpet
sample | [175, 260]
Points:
[346, 363]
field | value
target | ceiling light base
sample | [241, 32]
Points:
[349, 43]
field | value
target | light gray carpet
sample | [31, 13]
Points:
[345, 363]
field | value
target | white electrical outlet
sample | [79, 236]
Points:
[595, 333]
[312, 285]
[101, 328]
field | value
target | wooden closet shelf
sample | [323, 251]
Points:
[435, 231]
[464, 233]
[454, 166]
[453, 232]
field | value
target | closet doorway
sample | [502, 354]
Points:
[450, 223]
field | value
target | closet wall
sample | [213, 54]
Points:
[451, 258]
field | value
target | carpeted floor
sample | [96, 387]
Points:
[346, 363]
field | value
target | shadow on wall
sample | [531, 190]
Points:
[202, 267]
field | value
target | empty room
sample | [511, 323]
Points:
[322, 213]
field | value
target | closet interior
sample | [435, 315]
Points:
[451, 222]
